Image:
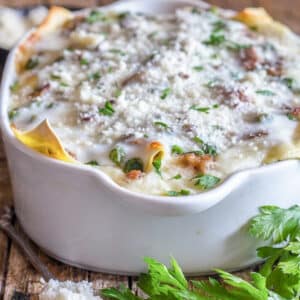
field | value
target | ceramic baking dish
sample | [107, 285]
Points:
[80, 216]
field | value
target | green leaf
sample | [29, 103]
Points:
[117, 155]
[205, 182]
[107, 110]
[165, 93]
[13, 113]
[161, 124]
[265, 92]
[176, 177]
[133, 164]
[215, 39]
[289, 82]
[120, 294]
[92, 163]
[276, 223]
[180, 193]
[95, 16]
[176, 149]
[84, 61]
[198, 68]
[14, 87]
[157, 165]
[31, 63]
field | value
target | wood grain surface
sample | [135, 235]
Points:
[16, 275]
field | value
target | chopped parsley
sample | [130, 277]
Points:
[84, 61]
[219, 26]
[117, 51]
[215, 39]
[176, 177]
[55, 77]
[13, 113]
[177, 149]
[14, 87]
[133, 164]
[205, 148]
[198, 68]
[292, 117]
[265, 92]
[107, 110]
[157, 165]
[165, 93]
[117, 155]
[50, 105]
[92, 163]
[205, 182]
[161, 124]
[204, 109]
[117, 93]
[31, 63]
[95, 16]
[178, 193]
[94, 76]
[63, 84]
[288, 82]
[236, 46]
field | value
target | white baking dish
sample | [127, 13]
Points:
[80, 216]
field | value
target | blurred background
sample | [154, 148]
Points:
[287, 11]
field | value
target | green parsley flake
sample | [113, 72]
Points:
[289, 82]
[215, 39]
[107, 110]
[180, 193]
[31, 63]
[177, 149]
[265, 92]
[205, 148]
[204, 109]
[55, 77]
[95, 16]
[157, 165]
[13, 113]
[84, 62]
[94, 76]
[133, 164]
[198, 68]
[14, 87]
[117, 51]
[117, 93]
[165, 93]
[92, 163]
[161, 124]
[176, 177]
[117, 155]
[205, 182]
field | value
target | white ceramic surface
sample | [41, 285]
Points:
[79, 215]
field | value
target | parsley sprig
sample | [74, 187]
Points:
[278, 278]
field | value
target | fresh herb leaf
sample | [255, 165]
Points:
[84, 61]
[204, 109]
[117, 51]
[55, 77]
[289, 82]
[198, 68]
[215, 39]
[63, 84]
[92, 163]
[291, 117]
[117, 155]
[95, 16]
[50, 105]
[161, 124]
[14, 87]
[205, 148]
[205, 182]
[133, 164]
[265, 92]
[236, 46]
[165, 93]
[219, 26]
[176, 177]
[13, 113]
[117, 93]
[176, 149]
[107, 110]
[180, 193]
[122, 293]
[31, 63]
[95, 76]
[156, 163]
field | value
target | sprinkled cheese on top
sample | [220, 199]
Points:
[213, 87]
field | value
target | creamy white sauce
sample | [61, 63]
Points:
[193, 83]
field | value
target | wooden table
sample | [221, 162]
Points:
[16, 275]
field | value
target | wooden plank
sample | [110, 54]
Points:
[74, 3]
[5, 199]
